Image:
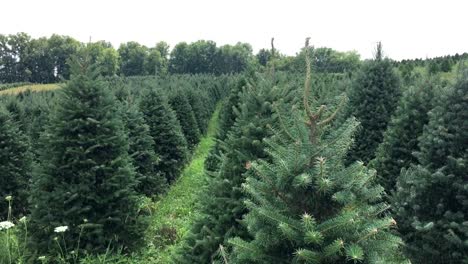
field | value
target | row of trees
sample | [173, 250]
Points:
[101, 148]
[290, 186]
[44, 60]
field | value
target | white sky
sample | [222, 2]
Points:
[407, 29]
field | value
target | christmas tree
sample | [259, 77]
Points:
[186, 117]
[401, 138]
[304, 205]
[141, 151]
[15, 166]
[85, 184]
[170, 144]
[372, 100]
[431, 198]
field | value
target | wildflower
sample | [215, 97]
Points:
[8, 198]
[22, 219]
[61, 229]
[56, 238]
[5, 225]
[85, 220]
[41, 258]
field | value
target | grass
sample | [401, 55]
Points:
[175, 212]
[31, 87]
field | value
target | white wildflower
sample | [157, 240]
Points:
[8, 198]
[41, 258]
[22, 219]
[5, 225]
[61, 229]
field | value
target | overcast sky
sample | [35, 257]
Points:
[407, 28]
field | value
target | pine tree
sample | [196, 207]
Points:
[202, 113]
[85, 180]
[170, 144]
[305, 206]
[372, 100]
[222, 203]
[141, 151]
[401, 137]
[15, 166]
[186, 117]
[431, 198]
[226, 121]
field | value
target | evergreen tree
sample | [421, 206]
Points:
[170, 144]
[201, 112]
[186, 117]
[15, 166]
[85, 180]
[372, 100]
[222, 203]
[141, 151]
[226, 121]
[431, 200]
[305, 206]
[401, 137]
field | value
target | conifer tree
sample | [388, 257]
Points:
[431, 199]
[15, 166]
[170, 144]
[202, 113]
[222, 203]
[401, 137]
[85, 180]
[305, 206]
[141, 151]
[372, 100]
[227, 118]
[186, 117]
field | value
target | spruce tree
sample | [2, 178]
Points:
[221, 204]
[186, 117]
[372, 100]
[431, 199]
[227, 118]
[141, 151]
[15, 166]
[170, 144]
[85, 180]
[304, 205]
[202, 113]
[401, 137]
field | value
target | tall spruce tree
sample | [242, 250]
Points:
[226, 121]
[186, 117]
[401, 137]
[372, 100]
[85, 180]
[15, 166]
[431, 200]
[141, 151]
[170, 144]
[305, 206]
[222, 203]
[202, 113]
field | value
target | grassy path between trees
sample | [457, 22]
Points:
[174, 213]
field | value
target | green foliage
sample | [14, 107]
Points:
[372, 100]
[401, 137]
[85, 179]
[15, 166]
[304, 205]
[133, 57]
[181, 106]
[431, 200]
[221, 204]
[141, 150]
[170, 144]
